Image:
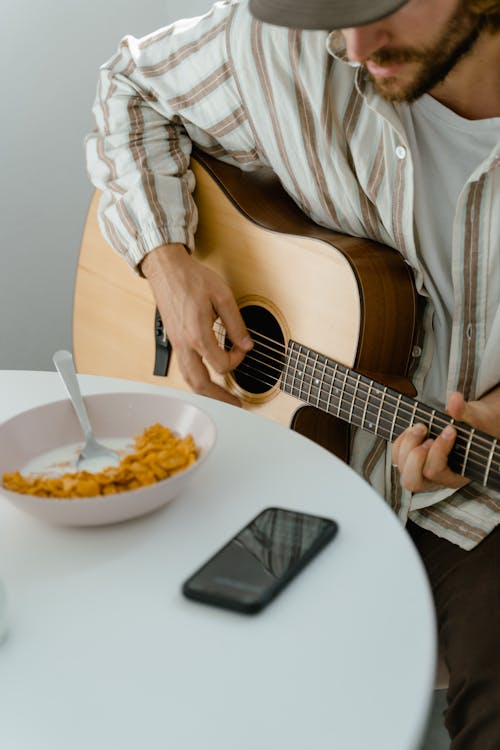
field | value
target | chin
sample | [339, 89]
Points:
[394, 90]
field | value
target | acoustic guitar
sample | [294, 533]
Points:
[332, 318]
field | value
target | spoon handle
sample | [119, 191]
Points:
[63, 360]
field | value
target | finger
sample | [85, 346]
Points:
[198, 378]
[481, 414]
[406, 442]
[456, 406]
[436, 469]
[235, 326]
[212, 350]
[412, 472]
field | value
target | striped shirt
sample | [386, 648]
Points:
[256, 95]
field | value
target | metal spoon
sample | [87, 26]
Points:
[92, 451]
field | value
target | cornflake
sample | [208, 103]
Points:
[158, 454]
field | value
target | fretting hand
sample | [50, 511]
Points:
[423, 462]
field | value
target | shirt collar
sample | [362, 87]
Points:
[335, 47]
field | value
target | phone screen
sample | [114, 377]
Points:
[260, 560]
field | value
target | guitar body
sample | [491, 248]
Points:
[351, 299]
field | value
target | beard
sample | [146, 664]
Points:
[433, 62]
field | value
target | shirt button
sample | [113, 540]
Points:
[401, 152]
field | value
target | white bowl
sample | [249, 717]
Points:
[112, 415]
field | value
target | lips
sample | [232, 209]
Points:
[383, 71]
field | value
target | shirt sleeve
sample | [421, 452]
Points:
[155, 98]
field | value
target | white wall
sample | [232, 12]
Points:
[50, 52]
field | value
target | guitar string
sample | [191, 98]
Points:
[349, 380]
[468, 458]
[462, 432]
[376, 413]
[474, 459]
[353, 381]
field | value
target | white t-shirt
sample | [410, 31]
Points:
[446, 149]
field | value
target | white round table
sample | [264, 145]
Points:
[104, 652]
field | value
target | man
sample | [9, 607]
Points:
[382, 119]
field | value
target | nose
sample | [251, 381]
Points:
[363, 41]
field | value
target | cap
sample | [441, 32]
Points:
[322, 14]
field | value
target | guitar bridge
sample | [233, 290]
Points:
[163, 347]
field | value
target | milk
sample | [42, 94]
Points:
[61, 460]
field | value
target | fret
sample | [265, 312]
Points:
[356, 386]
[293, 361]
[323, 381]
[301, 374]
[393, 425]
[488, 464]
[367, 400]
[296, 374]
[429, 427]
[336, 390]
[308, 399]
[467, 449]
[342, 390]
[403, 418]
[290, 369]
[332, 387]
[382, 401]
[314, 381]
[287, 366]
[412, 420]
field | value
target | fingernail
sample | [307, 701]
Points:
[246, 343]
[419, 430]
[448, 433]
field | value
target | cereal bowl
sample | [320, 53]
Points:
[114, 417]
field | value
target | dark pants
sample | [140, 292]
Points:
[466, 588]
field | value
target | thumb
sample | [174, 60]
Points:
[474, 413]
[456, 407]
[234, 324]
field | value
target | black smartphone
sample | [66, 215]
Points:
[248, 572]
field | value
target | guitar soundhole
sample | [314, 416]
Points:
[262, 367]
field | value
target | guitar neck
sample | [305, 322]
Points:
[354, 398]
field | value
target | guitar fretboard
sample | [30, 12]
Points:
[354, 398]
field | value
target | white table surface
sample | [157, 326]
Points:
[104, 652]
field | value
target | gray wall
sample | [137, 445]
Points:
[50, 52]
